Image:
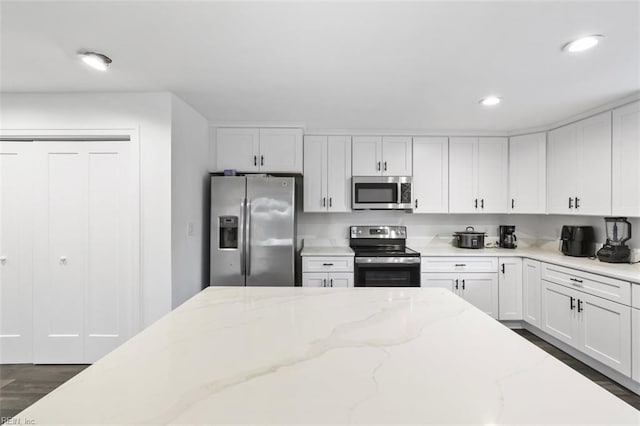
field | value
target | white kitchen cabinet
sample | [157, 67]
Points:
[527, 173]
[327, 271]
[382, 156]
[237, 148]
[625, 161]
[327, 174]
[84, 249]
[635, 342]
[274, 150]
[479, 289]
[579, 167]
[430, 175]
[531, 286]
[595, 326]
[16, 305]
[510, 288]
[333, 279]
[478, 173]
[314, 279]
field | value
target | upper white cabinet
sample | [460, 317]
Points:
[430, 175]
[275, 150]
[327, 173]
[579, 167]
[382, 156]
[626, 161]
[478, 172]
[527, 173]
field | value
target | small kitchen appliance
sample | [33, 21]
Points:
[578, 241]
[469, 239]
[382, 258]
[381, 192]
[508, 236]
[618, 232]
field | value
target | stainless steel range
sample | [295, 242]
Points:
[382, 258]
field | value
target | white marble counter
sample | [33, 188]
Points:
[627, 272]
[260, 355]
[326, 247]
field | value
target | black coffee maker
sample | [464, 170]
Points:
[508, 237]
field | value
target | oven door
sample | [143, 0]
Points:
[381, 192]
[387, 272]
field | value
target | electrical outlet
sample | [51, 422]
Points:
[190, 231]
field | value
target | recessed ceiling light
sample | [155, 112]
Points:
[582, 44]
[95, 60]
[490, 101]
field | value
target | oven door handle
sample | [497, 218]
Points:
[387, 260]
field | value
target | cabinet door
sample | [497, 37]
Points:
[436, 280]
[562, 170]
[339, 173]
[281, 150]
[493, 166]
[367, 156]
[315, 174]
[605, 329]
[527, 173]
[314, 279]
[531, 283]
[396, 156]
[594, 151]
[430, 175]
[16, 266]
[481, 290]
[344, 279]
[559, 310]
[463, 172]
[238, 149]
[510, 288]
[626, 157]
[635, 344]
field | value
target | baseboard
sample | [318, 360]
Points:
[513, 324]
[617, 377]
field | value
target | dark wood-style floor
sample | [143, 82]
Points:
[23, 384]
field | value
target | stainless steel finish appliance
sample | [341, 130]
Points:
[508, 236]
[381, 192]
[577, 241]
[252, 231]
[618, 233]
[382, 258]
[469, 239]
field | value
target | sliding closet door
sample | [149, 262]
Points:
[83, 257]
[16, 325]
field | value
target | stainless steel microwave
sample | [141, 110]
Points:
[381, 192]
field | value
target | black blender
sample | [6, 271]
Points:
[618, 232]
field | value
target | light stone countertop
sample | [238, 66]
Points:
[326, 247]
[272, 355]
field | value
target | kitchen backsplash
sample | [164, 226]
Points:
[427, 226]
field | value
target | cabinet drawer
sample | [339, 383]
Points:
[635, 295]
[459, 264]
[605, 287]
[327, 264]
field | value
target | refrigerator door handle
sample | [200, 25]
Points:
[247, 237]
[243, 240]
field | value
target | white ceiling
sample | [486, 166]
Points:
[335, 65]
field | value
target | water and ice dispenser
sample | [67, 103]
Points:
[228, 232]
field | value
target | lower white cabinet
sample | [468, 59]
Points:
[635, 343]
[595, 326]
[479, 289]
[510, 288]
[334, 279]
[531, 291]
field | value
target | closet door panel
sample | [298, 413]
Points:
[60, 258]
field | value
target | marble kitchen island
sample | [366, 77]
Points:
[283, 355]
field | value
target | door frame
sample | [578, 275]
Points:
[131, 135]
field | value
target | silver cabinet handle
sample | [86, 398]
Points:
[248, 239]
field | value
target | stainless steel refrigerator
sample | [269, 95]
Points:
[252, 231]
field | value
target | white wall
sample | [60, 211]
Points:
[148, 114]
[427, 226]
[189, 201]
